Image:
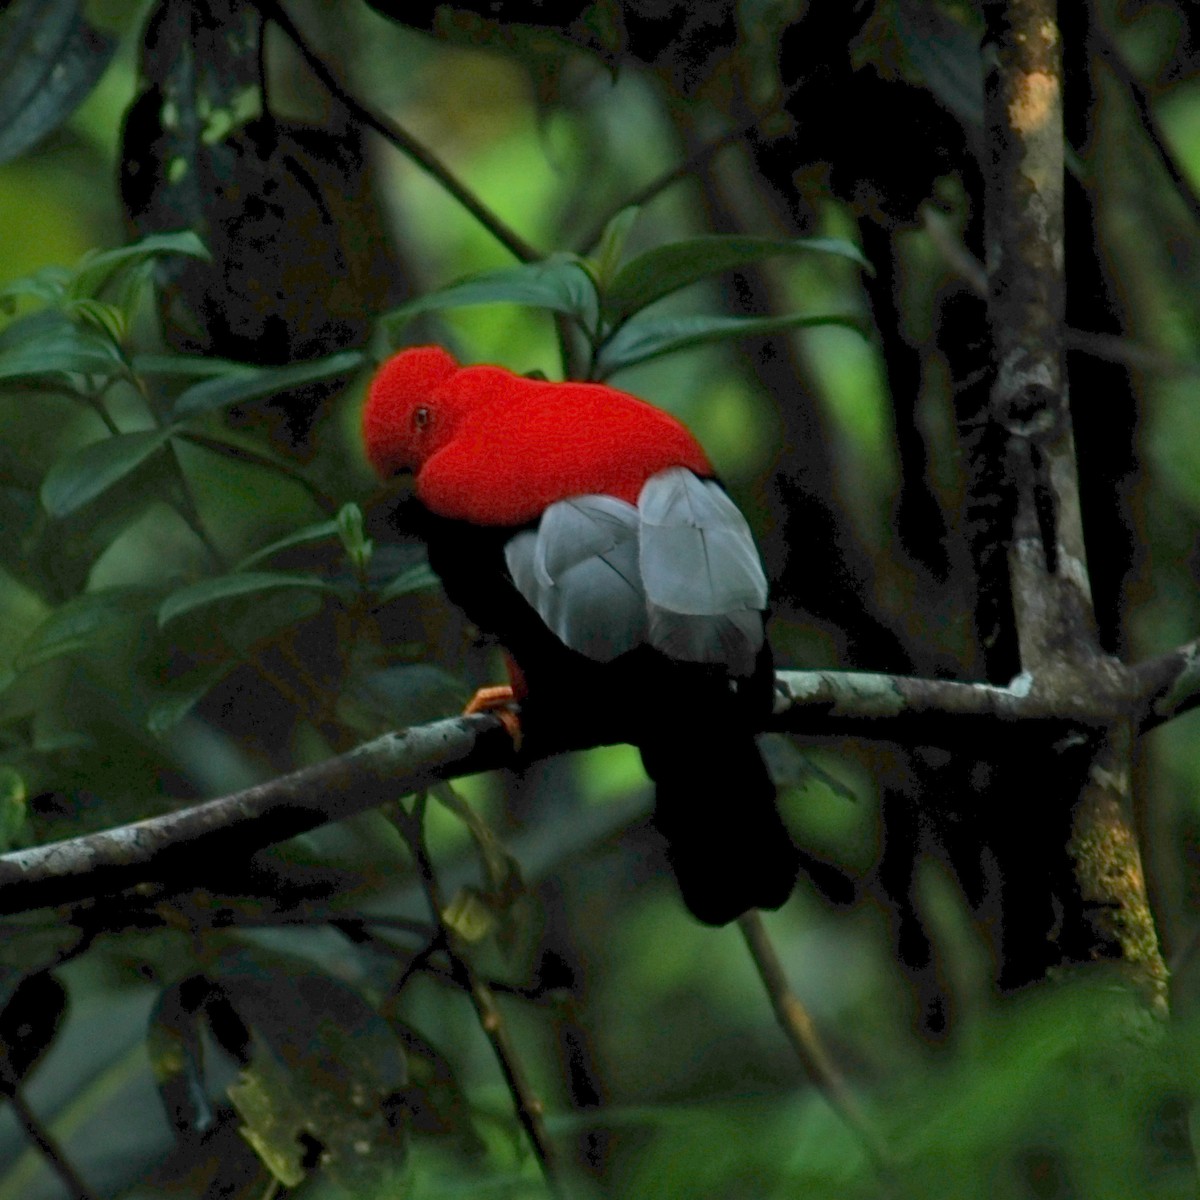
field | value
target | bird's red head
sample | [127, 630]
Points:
[496, 448]
[402, 421]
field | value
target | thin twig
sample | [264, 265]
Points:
[1150, 123]
[41, 1137]
[1109, 347]
[529, 1107]
[184, 504]
[222, 446]
[681, 171]
[400, 138]
[801, 1032]
[1166, 687]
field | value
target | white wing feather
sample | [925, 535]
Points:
[698, 555]
[579, 570]
[679, 571]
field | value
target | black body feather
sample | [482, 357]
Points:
[693, 722]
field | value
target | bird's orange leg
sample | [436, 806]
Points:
[498, 698]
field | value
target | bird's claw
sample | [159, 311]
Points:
[497, 700]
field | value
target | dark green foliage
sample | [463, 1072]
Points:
[201, 589]
[50, 58]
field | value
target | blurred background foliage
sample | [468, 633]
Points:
[199, 590]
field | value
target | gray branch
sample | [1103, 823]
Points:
[1167, 686]
[179, 847]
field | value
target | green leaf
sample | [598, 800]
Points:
[245, 383]
[232, 587]
[666, 269]
[946, 53]
[469, 916]
[107, 318]
[612, 244]
[350, 529]
[274, 1116]
[82, 622]
[644, 338]
[100, 268]
[559, 284]
[13, 808]
[50, 59]
[86, 473]
[322, 1063]
[182, 695]
[320, 532]
[375, 700]
[501, 869]
[184, 366]
[46, 285]
[412, 579]
[48, 345]
[241, 447]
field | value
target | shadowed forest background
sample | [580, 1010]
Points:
[494, 989]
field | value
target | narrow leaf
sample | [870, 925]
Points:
[56, 348]
[47, 285]
[233, 444]
[502, 870]
[644, 338]
[558, 284]
[183, 694]
[357, 545]
[108, 319]
[232, 587]
[30, 1020]
[14, 811]
[375, 700]
[245, 383]
[176, 1056]
[91, 470]
[948, 57]
[82, 622]
[184, 366]
[612, 244]
[50, 59]
[320, 532]
[99, 268]
[666, 269]
[412, 579]
[468, 916]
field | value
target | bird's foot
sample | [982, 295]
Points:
[497, 700]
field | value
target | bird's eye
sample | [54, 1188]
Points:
[421, 417]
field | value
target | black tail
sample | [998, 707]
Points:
[715, 806]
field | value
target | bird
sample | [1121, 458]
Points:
[586, 530]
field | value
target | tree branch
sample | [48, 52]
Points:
[1150, 123]
[676, 174]
[528, 1105]
[400, 138]
[1167, 686]
[1052, 604]
[797, 1024]
[45, 1142]
[1026, 295]
[180, 847]
[930, 711]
